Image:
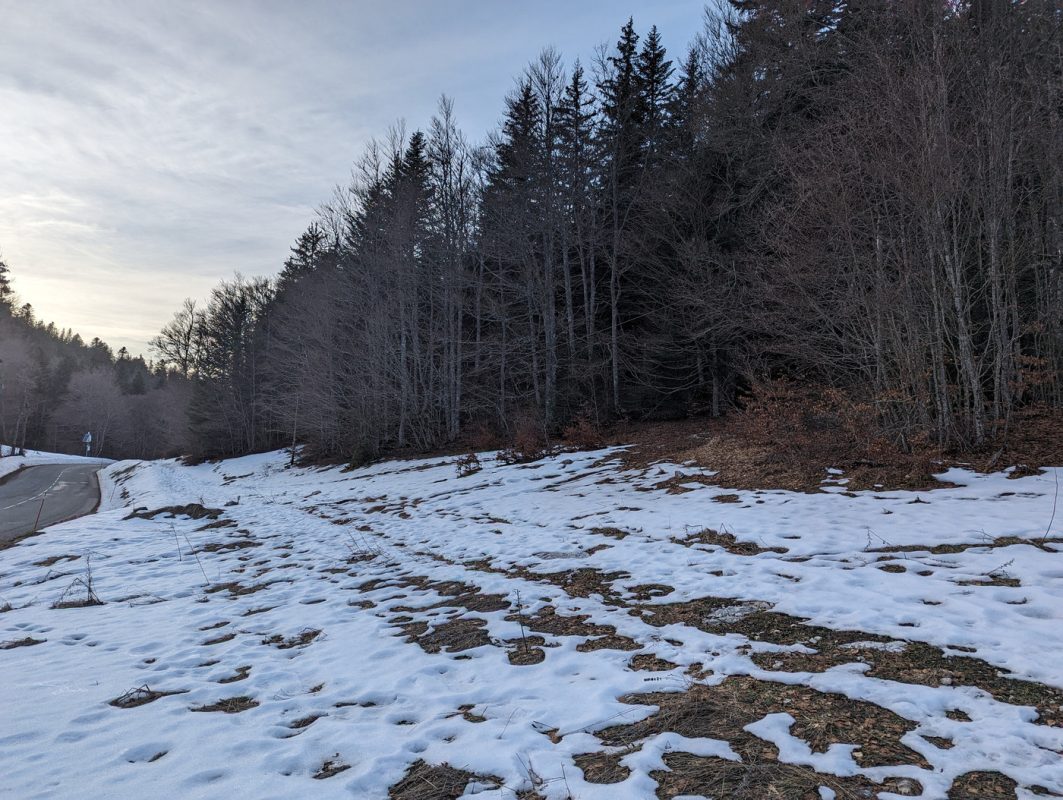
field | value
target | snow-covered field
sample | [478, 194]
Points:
[540, 628]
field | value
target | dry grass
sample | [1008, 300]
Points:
[762, 777]
[455, 595]
[28, 641]
[225, 637]
[53, 560]
[305, 722]
[237, 589]
[613, 533]
[329, 768]
[226, 547]
[141, 696]
[723, 712]
[453, 636]
[921, 664]
[229, 705]
[608, 642]
[193, 510]
[982, 786]
[603, 767]
[727, 541]
[301, 639]
[424, 781]
[647, 662]
[526, 651]
[240, 674]
[547, 620]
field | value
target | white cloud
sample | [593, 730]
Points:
[150, 148]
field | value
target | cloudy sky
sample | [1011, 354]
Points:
[149, 148]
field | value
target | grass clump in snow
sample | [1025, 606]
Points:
[724, 711]
[28, 641]
[140, 696]
[301, 639]
[425, 781]
[229, 705]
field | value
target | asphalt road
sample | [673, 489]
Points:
[66, 491]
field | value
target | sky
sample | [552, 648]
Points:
[151, 148]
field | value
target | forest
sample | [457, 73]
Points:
[862, 199]
[54, 388]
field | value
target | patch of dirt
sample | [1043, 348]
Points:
[28, 641]
[424, 781]
[453, 636]
[229, 705]
[53, 560]
[647, 662]
[761, 777]
[225, 637]
[329, 768]
[301, 639]
[710, 614]
[727, 541]
[226, 547]
[650, 591]
[603, 767]
[609, 642]
[236, 589]
[218, 523]
[527, 651]
[141, 696]
[467, 713]
[911, 662]
[949, 549]
[456, 595]
[999, 579]
[193, 510]
[306, 722]
[582, 583]
[940, 742]
[547, 620]
[240, 674]
[723, 711]
[613, 533]
[586, 582]
[778, 442]
[983, 786]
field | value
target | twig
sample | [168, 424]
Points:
[180, 555]
[40, 510]
[506, 726]
[1001, 569]
[520, 619]
[194, 553]
[1055, 502]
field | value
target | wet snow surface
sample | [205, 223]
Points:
[283, 631]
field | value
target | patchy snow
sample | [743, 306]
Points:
[307, 591]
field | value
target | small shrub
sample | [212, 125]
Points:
[362, 455]
[482, 437]
[529, 441]
[468, 465]
[583, 433]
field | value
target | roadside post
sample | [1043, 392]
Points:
[87, 441]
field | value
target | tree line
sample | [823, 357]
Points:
[864, 196]
[54, 388]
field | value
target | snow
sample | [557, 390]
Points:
[317, 538]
